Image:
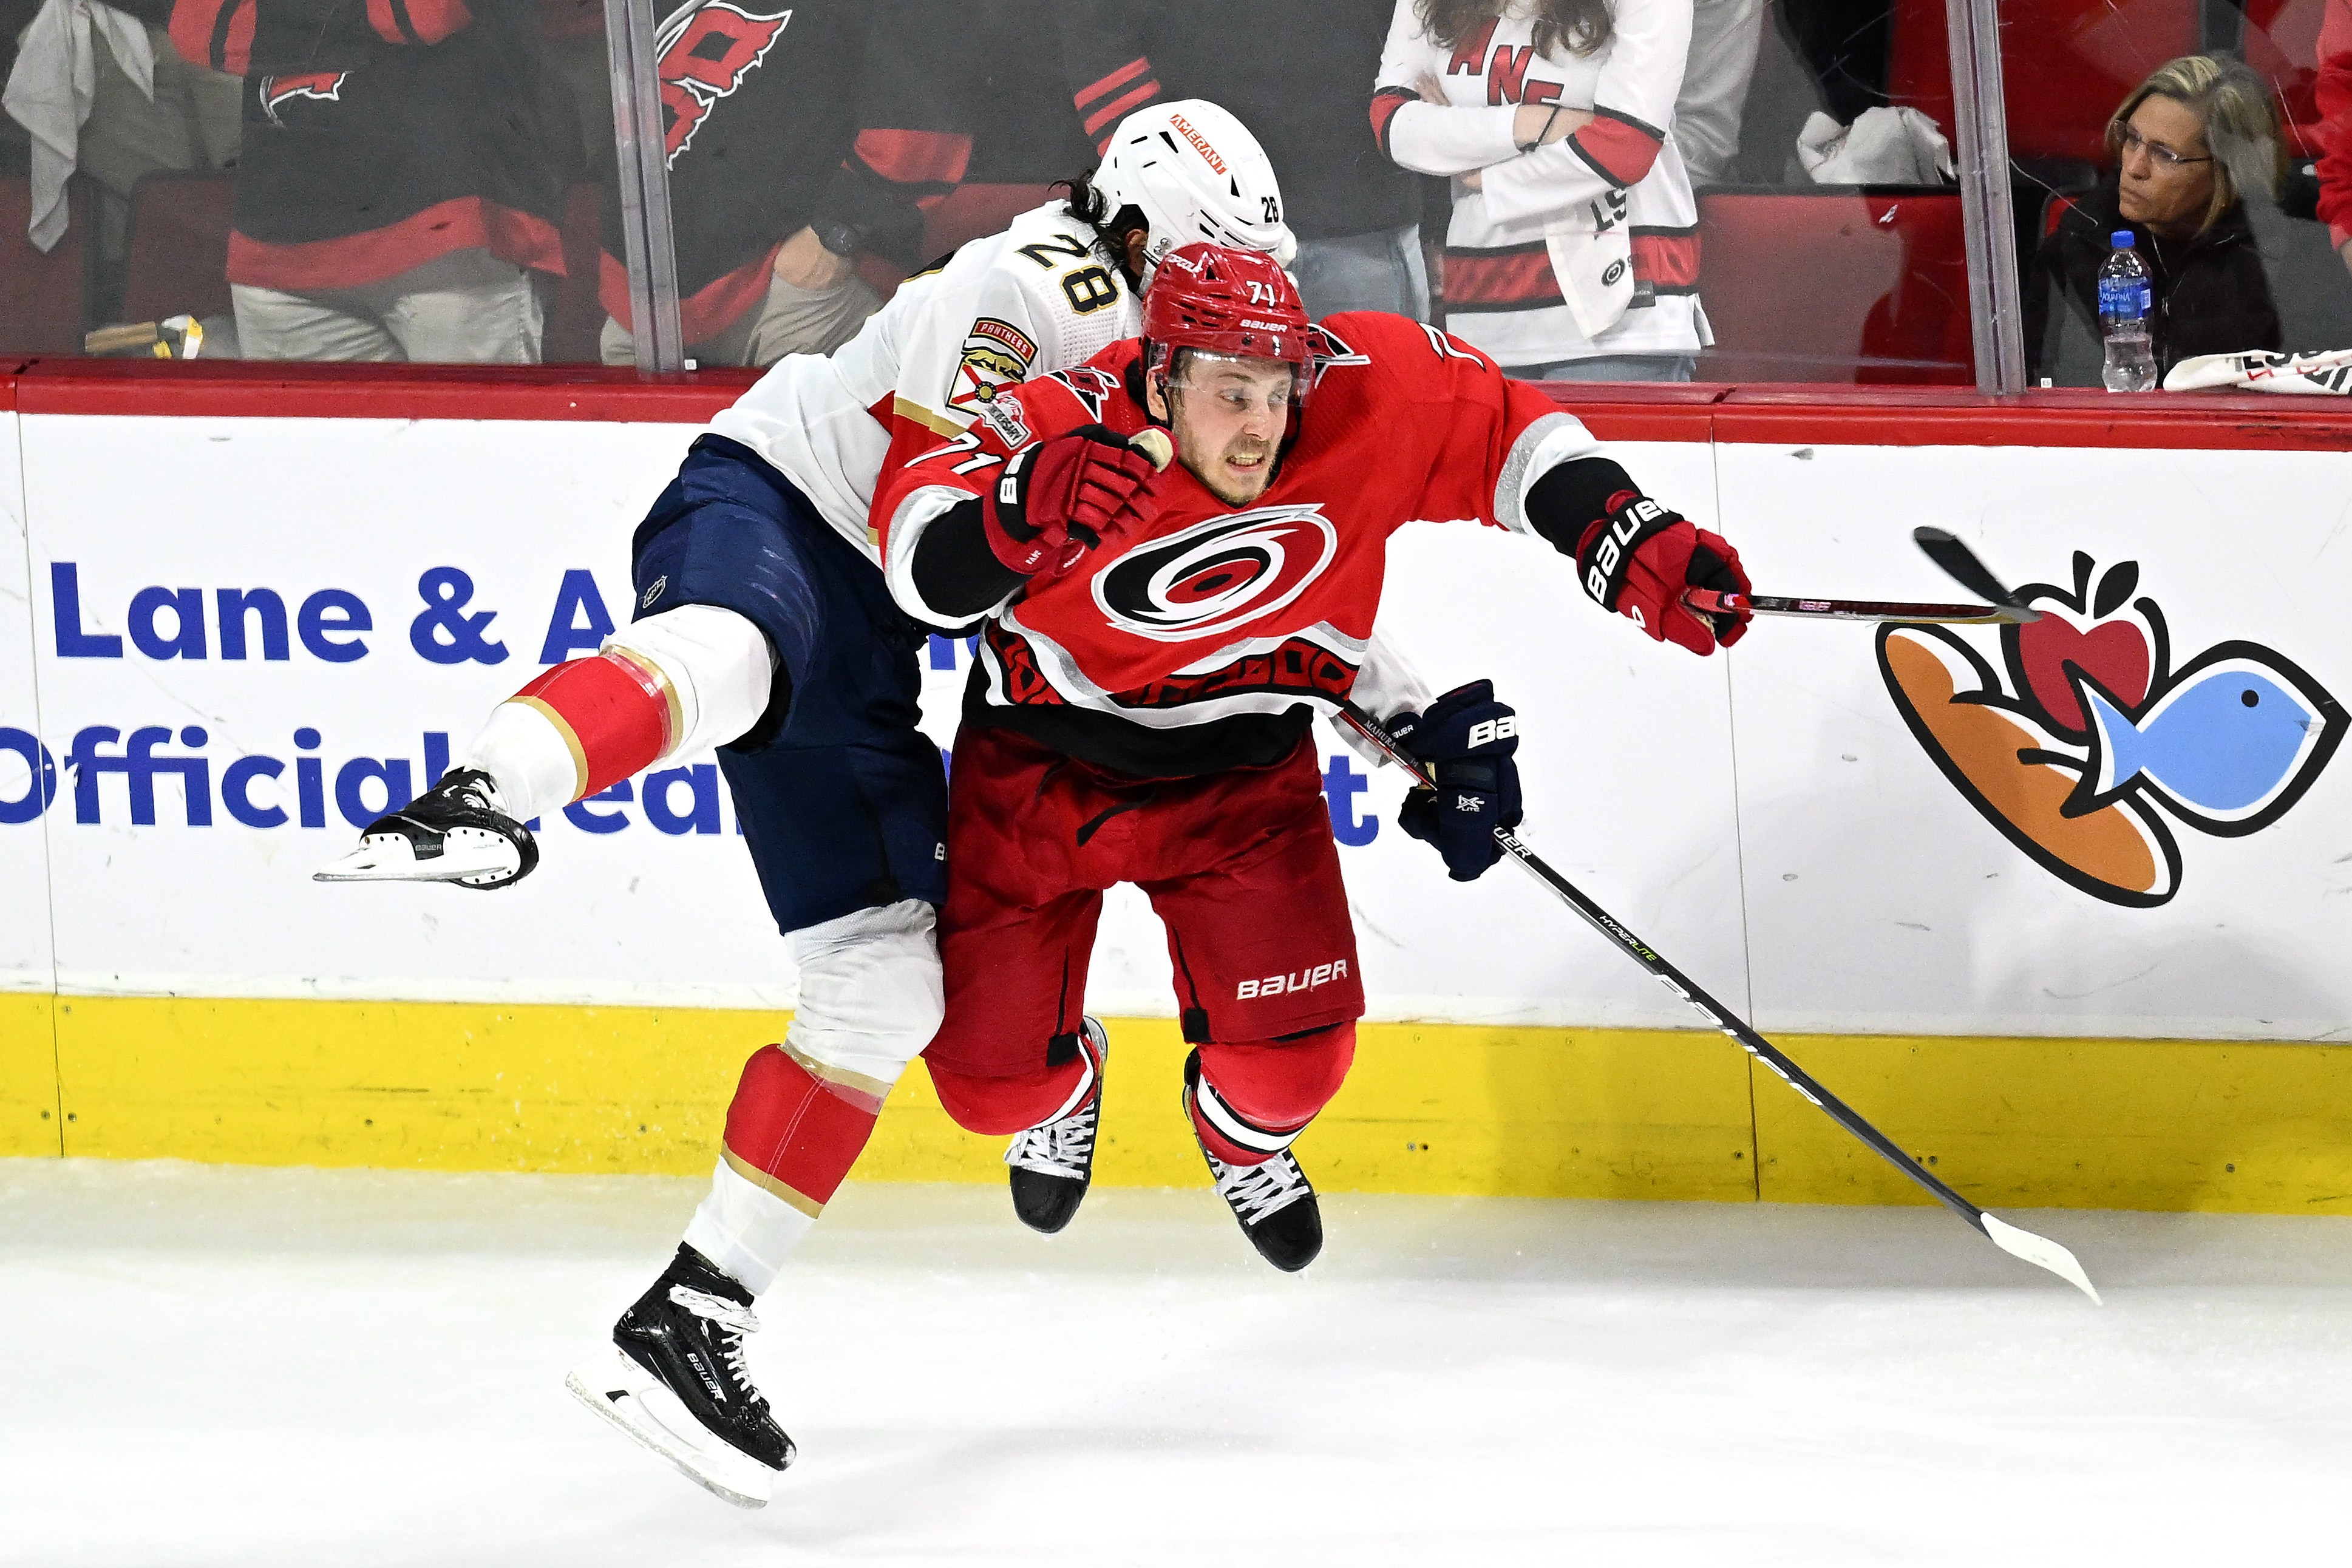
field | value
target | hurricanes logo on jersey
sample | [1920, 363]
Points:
[1217, 575]
[705, 51]
[324, 87]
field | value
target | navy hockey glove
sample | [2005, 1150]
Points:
[1060, 498]
[1466, 739]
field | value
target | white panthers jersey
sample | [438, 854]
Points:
[1035, 298]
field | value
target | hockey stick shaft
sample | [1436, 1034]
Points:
[2036, 1249]
[1709, 601]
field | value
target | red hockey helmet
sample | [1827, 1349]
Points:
[1237, 302]
[1233, 303]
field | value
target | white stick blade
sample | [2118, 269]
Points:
[2042, 1252]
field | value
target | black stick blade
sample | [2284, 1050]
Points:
[1961, 565]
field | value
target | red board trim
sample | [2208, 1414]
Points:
[1766, 416]
[254, 391]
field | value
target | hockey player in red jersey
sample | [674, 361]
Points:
[1156, 644]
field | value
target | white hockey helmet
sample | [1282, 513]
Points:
[1197, 174]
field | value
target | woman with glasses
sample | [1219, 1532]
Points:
[2188, 145]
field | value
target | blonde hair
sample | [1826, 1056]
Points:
[2241, 129]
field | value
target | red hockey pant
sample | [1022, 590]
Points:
[1241, 868]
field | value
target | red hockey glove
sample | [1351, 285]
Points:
[1466, 738]
[1638, 559]
[1060, 498]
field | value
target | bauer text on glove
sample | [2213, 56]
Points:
[1637, 559]
[1466, 740]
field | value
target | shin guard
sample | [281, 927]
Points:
[792, 1133]
[1249, 1100]
[617, 714]
[1001, 1106]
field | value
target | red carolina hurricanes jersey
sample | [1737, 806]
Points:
[1209, 639]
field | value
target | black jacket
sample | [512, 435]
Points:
[1296, 72]
[378, 136]
[2213, 293]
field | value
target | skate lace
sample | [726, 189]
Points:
[730, 1322]
[1259, 1191]
[1058, 1149]
[474, 790]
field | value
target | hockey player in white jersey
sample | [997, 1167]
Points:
[765, 627]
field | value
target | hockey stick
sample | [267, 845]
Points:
[2038, 1250]
[1708, 602]
[1961, 565]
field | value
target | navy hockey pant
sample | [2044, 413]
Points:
[844, 802]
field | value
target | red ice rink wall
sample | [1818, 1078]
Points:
[2129, 1000]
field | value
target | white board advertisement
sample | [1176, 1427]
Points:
[28, 774]
[251, 633]
[2172, 852]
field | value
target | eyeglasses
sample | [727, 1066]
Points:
[2160, 155]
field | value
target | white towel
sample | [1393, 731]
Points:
[1591, 255]
[2329, 370]
[49, 94]
[1884, 147]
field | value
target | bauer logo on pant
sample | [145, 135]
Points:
[1300, 980]
[2087, 740]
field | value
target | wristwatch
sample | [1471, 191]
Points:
[841, 239]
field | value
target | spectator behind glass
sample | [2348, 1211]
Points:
[2186, 143]
[1573, 252]
[1726, 37]
[393, 195]
[774, 188]
[151, 113]
[2334, 96]
[1293, 71]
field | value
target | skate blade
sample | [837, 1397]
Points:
[616, 1391]
[468, 855]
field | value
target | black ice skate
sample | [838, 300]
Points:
[675, 1381]
[1273, 1199]
[1054, 1161]
[453, 833]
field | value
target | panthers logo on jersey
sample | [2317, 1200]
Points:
[996, 354]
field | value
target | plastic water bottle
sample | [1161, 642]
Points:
[2126, 300]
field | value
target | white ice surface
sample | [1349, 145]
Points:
[226, 1366]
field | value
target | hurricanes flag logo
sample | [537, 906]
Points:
[321, 87]
[705, 51]
[2087, 744]
[1217, 575]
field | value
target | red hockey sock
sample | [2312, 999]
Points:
[1248, 1100]
[794, 1132]
[617, 716]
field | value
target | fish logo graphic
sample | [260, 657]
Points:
[2087, 744]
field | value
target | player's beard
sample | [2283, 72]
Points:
[1240, 490]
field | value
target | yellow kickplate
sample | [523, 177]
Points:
[2217, 1125]
[30, 1122]
[1428, 1108]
